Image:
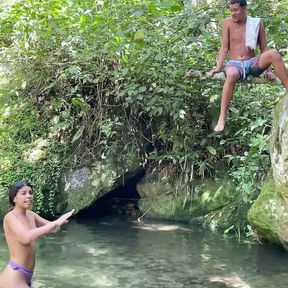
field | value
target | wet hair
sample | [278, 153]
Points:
[15, 188]
[241, 2]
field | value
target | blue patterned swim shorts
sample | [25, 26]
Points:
[247, 67]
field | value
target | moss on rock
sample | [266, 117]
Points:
[79, 188]
[168, 199]
[268, 212]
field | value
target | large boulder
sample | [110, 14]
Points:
[269, 214]
[81, 187]
[279, 147]
[165, 198]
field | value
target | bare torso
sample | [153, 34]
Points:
[20, 254]
[237, 48]
[22, 228]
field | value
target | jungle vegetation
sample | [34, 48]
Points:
[82, 80]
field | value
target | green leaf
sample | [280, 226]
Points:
[226, 231]
[80, 103]
[78, 134]
[139, 36]
[138, 13]
[212, 150]
[125, 71]
[142, 89]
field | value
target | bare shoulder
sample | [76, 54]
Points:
[227, 22]
[9, 217]
[31, 214]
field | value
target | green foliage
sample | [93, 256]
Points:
[247, 135]
[99, 78]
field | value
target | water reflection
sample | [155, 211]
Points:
[116, 253]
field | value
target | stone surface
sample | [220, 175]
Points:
[269, 214]
[279, 140]
[268, 211]
[172, 200]
[79, 188]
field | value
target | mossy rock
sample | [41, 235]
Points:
[232, 217]
[278, 145]
[80, 188]
[171, 200]
[269, 213]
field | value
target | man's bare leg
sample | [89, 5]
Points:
[228, 89]
[272, 57]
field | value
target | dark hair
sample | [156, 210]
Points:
[15, 188]
[241, 2]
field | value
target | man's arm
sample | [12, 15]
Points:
[262, 39]
[224, 47]
[263, 47]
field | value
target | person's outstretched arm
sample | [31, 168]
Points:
[39, 221]
[25, 235]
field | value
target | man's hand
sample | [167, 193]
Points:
[213, 72]
[270, 76]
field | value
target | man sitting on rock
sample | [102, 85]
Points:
[240, 36]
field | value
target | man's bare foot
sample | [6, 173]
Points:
[220, 126]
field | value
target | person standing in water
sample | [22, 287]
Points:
[21, 228]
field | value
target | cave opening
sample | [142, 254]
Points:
[121, 201]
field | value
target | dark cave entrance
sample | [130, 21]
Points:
[122, 201]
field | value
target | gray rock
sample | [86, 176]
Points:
[79, 188]
[269, 214]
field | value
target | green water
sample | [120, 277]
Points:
[119, 253]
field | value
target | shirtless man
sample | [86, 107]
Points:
[243, 58]
[22, 227]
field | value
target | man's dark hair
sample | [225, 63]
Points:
[241, 2]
